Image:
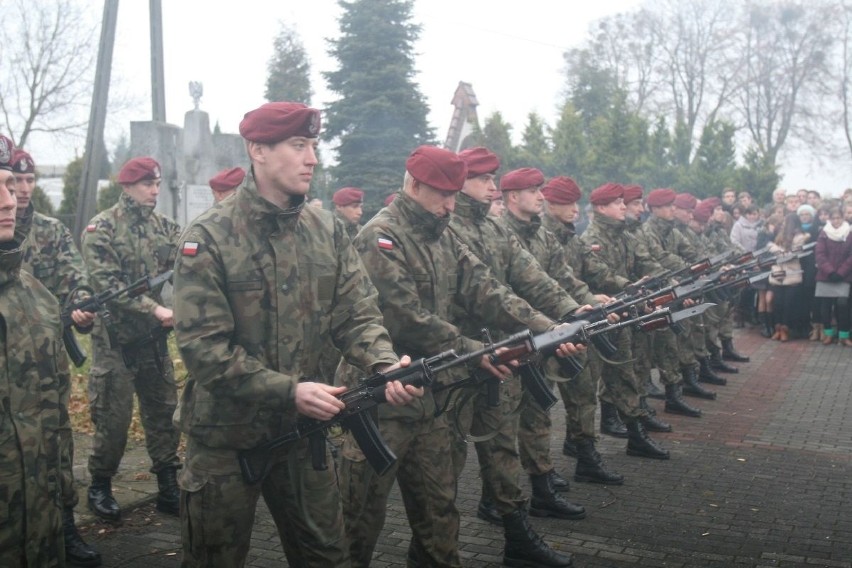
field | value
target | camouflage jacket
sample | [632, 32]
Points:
[719, 239]
[627, 259]
[50, 254]
[351, 228]
[120, 246]
[33, 385]
[259, 290]
[667, 244]
[587, 267]
[545, 247]
[508, 260]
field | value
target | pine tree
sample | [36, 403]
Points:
[288, 69]
[535, 148]
[497, 137]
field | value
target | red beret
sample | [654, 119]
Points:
[523, 178]
[715, 201]
[561, 190]
[606, 194]
[703, 211]
[139, 169]
[661, 197]
[274, 122]
[389, 199]
[480, 161]
[226, 180]
[347, 196]
[685, 201]
[7, 149]
[22, 162]
[437, 168]
[632, 193]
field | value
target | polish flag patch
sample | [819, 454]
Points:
[385, 243]
[189, 248]
[596, 248]
[91, 228]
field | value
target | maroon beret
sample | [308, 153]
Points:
[480, 161]
[274, 122]
[561, 190]
[715, 201]
[22, 162]
[226, 180]
[7, 149]
[632, 192]
[606, 194]
[437, 168]
[139, 169]
[703, 211]
[685, 201]
[347, 196]
[389, 199]
[523, 178]
[661, 197]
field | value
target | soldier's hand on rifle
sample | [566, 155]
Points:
[318, 400]
[396, 393]
[165, 316]
[566, 350]
[502, 371]
[82, 319]
[603, 298]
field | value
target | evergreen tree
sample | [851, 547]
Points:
[570, 148]
[380, 115]
[108, 195]
[70, 191]
[659, 168]
[41, 202]
[288, 69]
[497, 137]
[714, 166]
[535, 148]
[758, 175]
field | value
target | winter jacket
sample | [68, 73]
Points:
[833, 256]
[744, 233]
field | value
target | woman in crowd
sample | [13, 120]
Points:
[765, 317]
[786, 278]
[834, 274]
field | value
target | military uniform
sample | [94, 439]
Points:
[258, 291]
[351, 228]
[421, 270]
[121, 245]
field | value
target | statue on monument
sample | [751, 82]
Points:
[196, 90]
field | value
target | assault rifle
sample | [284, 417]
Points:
[96, 303]
[154, 339]
[370, 392]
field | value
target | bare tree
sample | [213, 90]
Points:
[45, 67]
[845, 71]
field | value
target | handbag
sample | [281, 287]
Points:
[832, 290]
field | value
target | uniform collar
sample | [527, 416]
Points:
[428, 224]
[133, 207]
[608, 224]
[11, 256]
[470, 209]
[266, 212]
[563, 231]
[527, 229]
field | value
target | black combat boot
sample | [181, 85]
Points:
[718, 364]
[559, 483]
[524, 548]
[706, 374]
[101, 501]
[77, 552]
[569, 448]
[676, 405]
[487, 511]
[730, 354]
[611, 423]
[168, 499]
[640, 445]
[546, 502]
[691, 386]
[651, 422]
[590, 466]
[654, 391]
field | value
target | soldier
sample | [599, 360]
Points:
[348, 203]
[627, 261]
[33, 385]
[127, 242]
[49, 254]
[225, 183]
[421, 270]
[262, 280]
[516, 268]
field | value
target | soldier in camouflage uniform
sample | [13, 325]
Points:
[348, 203]
[49, 254]
[421, 270]
[225, 183]
[627, 261]
[33, 385]
[127, 242]
[579, 396]
[513, 266]
[262, 282]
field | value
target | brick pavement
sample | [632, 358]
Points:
[763, 479]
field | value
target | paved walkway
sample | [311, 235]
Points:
[763, 479]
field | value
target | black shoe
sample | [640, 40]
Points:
[77, 552]
[101, 501]
[651, 422]
[569, 448]
[691, 386]
[487, 511]
[524, 548]
[676, 405]
[168, 498]
[546, 502]
[767, 324]
[730, 354]
[590, 466]
[707, 375]
[640, 445]
[559, 483]
[718, 364]
[611, 423]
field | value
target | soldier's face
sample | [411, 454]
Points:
[565, 212]
[24, 187]
[351, 213]
[528, 202]
[144, 192]
[285, 168]
[436, 201]
[666, 212]
[683, 215]
[8, 205]
[634, 209]
[497, 208]
[481, 188]
[615, 210]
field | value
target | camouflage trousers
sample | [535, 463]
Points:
[621, 386]
[499, 462]
[719, 320]
[424, 472]
[111, 388]
[66, 457]
[690, 342]
[580, 399]
[665, 357]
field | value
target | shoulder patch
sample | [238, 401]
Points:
[91, 228]
[189, 248]
[595, 248]
[385, 243]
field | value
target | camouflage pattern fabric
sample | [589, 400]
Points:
[351, 228]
